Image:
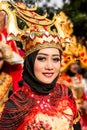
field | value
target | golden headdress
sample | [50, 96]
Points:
[57, 39]
[63, 24]
[40, 40]
[72, 53]
[37, 32]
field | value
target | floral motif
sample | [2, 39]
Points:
[38, 126]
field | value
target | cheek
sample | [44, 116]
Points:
[57, 67]
[72, 68]
[57, 70]
[37, 68]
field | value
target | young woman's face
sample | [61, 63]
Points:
[47, 65]
[1, 60]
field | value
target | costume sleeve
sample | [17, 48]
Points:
[17, 107]
[76, 122]
[72, 99]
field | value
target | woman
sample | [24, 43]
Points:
[5, 84]
[74, 58]
[74, 81]
[40, 103]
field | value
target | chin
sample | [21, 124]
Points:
[45, 82]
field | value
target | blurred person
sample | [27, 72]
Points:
[14, 64]
[83, 106]
[74, 57]
[74, 80]
[84, 73]
[13, 61]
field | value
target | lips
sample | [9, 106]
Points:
[47, 74]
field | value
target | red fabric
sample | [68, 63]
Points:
[16, 72]
[84, 120]
[21, 52]
[4, 31]
[25, 107]
[13, 45]
[0, 37]
[67, 78]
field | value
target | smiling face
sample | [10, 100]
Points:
[47, 65]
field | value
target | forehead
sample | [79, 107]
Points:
[48, 51]
[75, 63]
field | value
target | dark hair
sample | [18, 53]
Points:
[19, 44]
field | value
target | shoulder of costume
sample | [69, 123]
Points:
[63, 88]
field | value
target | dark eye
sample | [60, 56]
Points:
[41, 58]
[56, 59]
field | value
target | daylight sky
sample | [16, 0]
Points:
[58, 3]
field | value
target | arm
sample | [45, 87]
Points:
[76, 122]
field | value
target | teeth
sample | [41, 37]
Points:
[48, 74]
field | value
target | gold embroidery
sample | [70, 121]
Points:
[5, 87]
[76, 119]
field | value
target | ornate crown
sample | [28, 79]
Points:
[40, 40]
[33, 22]
[72, 53]
[63, 24]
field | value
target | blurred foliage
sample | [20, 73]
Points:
[76, 10]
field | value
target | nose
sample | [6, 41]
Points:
[49, 65]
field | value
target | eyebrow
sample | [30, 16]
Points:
[47, 54]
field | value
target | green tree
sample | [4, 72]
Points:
[77, 12]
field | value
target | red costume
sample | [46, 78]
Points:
[33, 111]
[71, 54]
[14, 60]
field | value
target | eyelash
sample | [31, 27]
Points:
[41, 58]
[56, 59]
[44, 58]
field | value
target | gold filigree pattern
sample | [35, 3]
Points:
[5, 87]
